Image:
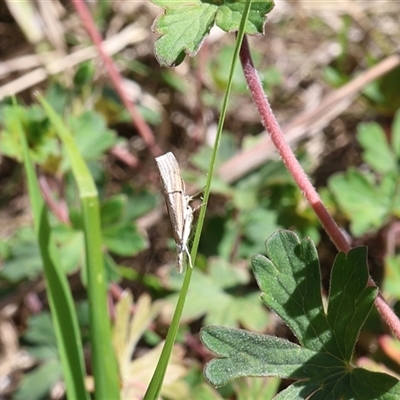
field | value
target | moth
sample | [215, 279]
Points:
[179, 210]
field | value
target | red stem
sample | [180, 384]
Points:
[59, 208]
[271, 125]
[291, 162]
[116, 79]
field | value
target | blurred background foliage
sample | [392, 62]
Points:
[353, 157]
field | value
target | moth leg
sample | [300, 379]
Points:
[189, 257]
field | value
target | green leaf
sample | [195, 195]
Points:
[113, 209]
[40, 330]
[377, 151]
[256, 389]
[139, 202]
[321, 363]
[91, 135]
[84, 74]
[124, 239]
[383, 93]
[391, 283]
[37, 384]
[364, 203]
[58, 96]
[23, 259]
[71, 246]
[120, 235]
[185, 24]
[41, 344]
[204, 391]
[220, 297]
[59, 295]
[230, 13]
[154, 388]
[253, 354]
[295, 292]
[43, 147]
[251, 224]
[183, 27]
[104, 365]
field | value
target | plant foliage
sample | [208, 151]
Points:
[185, 24]
[321, 364]
[369, 199]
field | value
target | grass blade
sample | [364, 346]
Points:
[154, 388]
[60, 298]
[104, 363]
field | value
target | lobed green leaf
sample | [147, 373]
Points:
[290, 280]
[185, 24]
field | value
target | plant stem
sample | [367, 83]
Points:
[271, 125]
[116, 79]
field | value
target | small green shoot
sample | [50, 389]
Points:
[321, 364]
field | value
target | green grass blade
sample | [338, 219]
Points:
[60, 298]
[207, 190]
[154, 388]
[104, 363]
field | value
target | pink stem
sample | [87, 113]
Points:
[116, 79]
[59, 208]
[271, 125]
[291, 162]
